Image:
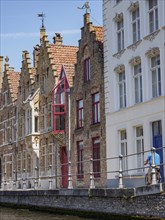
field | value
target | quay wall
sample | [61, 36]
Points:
[148, 201]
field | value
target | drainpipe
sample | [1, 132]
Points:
[70, 185]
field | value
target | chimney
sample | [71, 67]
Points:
[36, 52]
[86, 18]
[57, 39]
[1, 71]
[42, 33]
[6, 64]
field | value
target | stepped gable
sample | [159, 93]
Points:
[99, 33]
[63, 55]
[26, 64]
[70, 72]
[13, 79]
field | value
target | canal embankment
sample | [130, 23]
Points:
[142, 202]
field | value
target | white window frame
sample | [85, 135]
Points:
[138, 90]
[156, 76]
[122, 89]
[136, 24]
[139, 148]
[120, 34]
[153, 22]
[123, 148]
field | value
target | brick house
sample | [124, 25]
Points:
[87, 109]
[28, 124]
[50, 61]
[57, 115]
[8, 118]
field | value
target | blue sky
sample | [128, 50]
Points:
[19, 24]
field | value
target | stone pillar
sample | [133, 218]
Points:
[120, 172]
[92, 183]
[36, 178]
[70, 184]
[153, 172]
[50, 177]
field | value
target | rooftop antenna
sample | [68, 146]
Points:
[85, 6]
[42, 16]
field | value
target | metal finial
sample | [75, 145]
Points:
[85, 6]
[7, 59]
[42, 15]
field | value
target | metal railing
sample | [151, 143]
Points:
[116, 168]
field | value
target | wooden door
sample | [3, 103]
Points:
[64, 167]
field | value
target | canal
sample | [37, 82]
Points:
[24, 214]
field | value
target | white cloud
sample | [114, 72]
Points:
[36, 34]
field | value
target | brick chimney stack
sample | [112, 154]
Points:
[86, 18]
[42, 33]
[57, 39]
[1, 71]
[6, 64]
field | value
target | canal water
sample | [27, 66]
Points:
[24, 214]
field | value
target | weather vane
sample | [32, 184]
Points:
[85, 6]
[42, 16]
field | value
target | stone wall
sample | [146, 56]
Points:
[146, 201]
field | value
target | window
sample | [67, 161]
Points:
[156, 76]
[135, 25]
[50, 155]
[87, 74]
[153, 15]
[8, 159]
[120, 34]
[24, 160]
[44, 118]
[122, 89]
[5, 98]
[140, 148]
[19, 165]
[96, 107]
[29, 121]
[5, 133]
[123, 146]
[80, 157]
[36, 124]
[59, 105]
[43, 84]
[29, 164]
[138, 83]
[96, 157]
[13, 128]
[44, 164]
[49, 115]
[80, 119]
[23, 124]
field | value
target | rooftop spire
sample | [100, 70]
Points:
[86, 7]
[42, 29]
[42, 16]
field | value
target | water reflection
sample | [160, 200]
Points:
[24, 214]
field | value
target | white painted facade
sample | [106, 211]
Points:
[125, 115]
